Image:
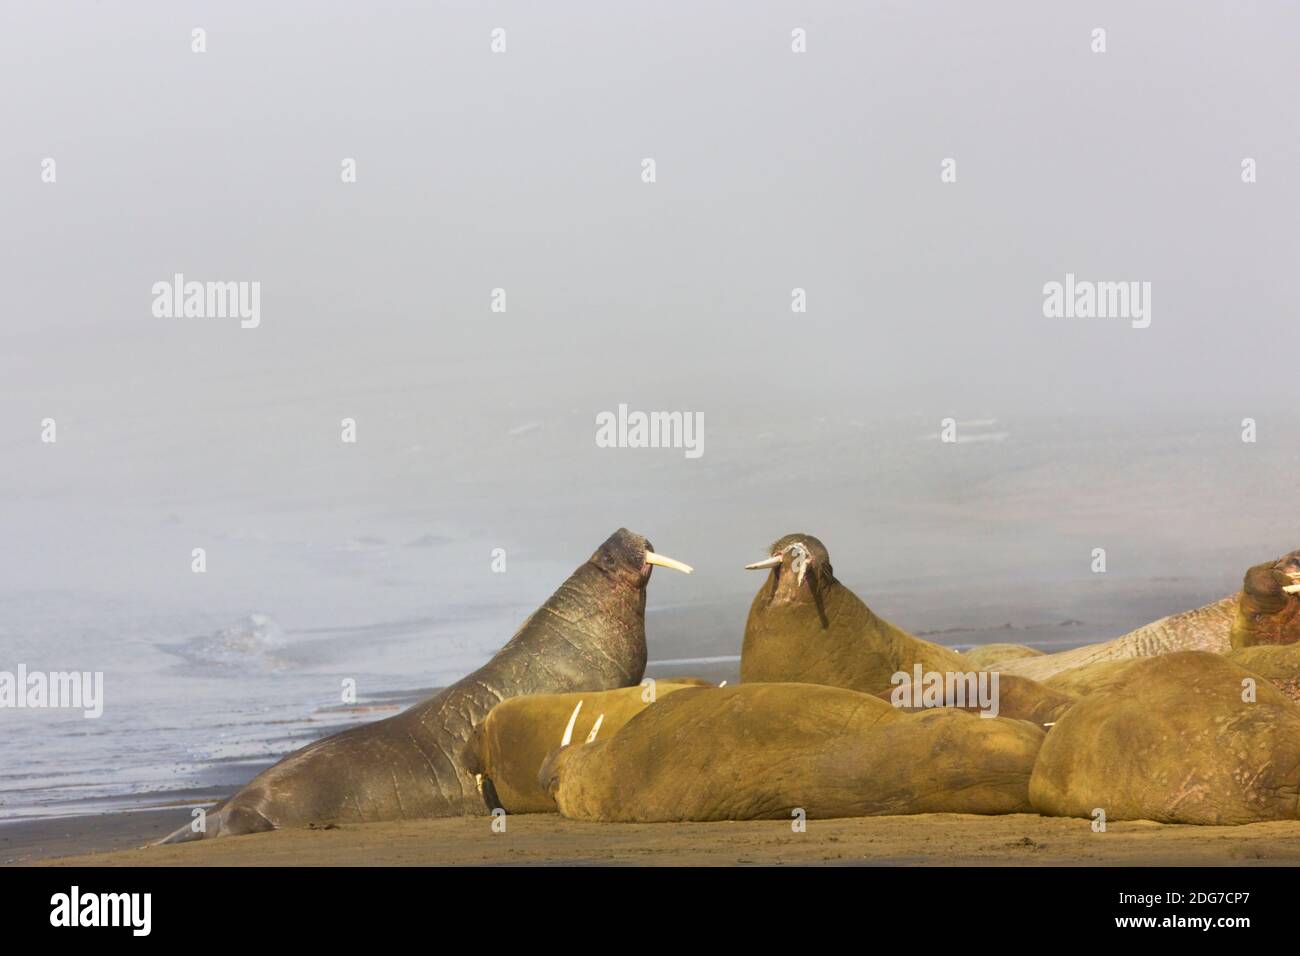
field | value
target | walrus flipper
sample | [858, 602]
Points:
[226, 821]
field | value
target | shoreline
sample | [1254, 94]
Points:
[688, 641]
[137, 820]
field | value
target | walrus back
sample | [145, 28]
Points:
[767, 750]
[1204, 628]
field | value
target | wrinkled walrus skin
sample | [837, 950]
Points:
[509, 747]
[589, 635]
[1260, 613]
[1174, 741]
[1201, 629]
[763, 751]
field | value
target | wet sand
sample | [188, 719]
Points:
[27, 841]
[548, 839]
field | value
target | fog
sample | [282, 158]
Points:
[523, 171]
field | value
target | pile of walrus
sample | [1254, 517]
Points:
[1194, 718]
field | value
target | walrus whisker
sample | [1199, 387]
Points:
[595, 728]
[568, 731]
[663, 562]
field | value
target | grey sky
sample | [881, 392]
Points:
[521, 170]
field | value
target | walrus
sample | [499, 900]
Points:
[1177, 739]
[588, 635]
[507, 749]
[768, 750]
[804, 625]
[1264, 611]
[1268, 607]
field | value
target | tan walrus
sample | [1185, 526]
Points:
[804, 625]
[770, 750]
[1188, 737]
[588, 635]
[508, 748]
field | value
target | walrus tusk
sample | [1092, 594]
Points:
[568, 731]
[661, 561]
[771, 562]
[1292, 589]
[595, 728]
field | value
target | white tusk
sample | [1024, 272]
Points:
[771, 562]
[661, 561]
[1292, 589]
[723, 684]
[800, 573]
[595, 728]
[478, 782]
[568, 731]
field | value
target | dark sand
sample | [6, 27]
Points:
[26, 841]
[929, 839]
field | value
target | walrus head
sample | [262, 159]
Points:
[801, 568]
[1268, 609]
[628, 556]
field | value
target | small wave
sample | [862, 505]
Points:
[253, 642]
[682, 661]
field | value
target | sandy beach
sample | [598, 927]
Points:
[548, 839]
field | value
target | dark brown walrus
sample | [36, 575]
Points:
[1268, 607]
[804, 625]
[589, 635]
[764, 751]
